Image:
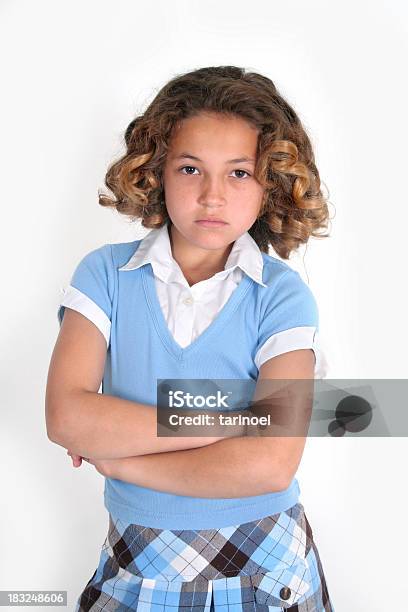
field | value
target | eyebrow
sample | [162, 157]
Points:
[238, 160]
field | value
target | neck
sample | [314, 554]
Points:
[196, 263]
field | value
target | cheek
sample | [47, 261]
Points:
[179, 194]
[248, 200]
[171, 181]
[179, 205]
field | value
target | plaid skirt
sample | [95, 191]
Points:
[268, 565]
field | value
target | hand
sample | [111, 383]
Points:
[76, 459]
[106, 467]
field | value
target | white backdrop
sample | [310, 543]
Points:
[73, 76]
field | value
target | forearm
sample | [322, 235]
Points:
[103, 426]
[234, 467]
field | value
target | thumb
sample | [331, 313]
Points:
[76, 459]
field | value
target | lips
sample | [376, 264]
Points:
[211, 223]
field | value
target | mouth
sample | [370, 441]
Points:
[211, 222]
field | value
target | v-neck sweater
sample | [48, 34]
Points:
[141, 351]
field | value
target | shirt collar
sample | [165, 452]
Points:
[155, 249]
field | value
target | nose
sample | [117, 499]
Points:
[212, 192]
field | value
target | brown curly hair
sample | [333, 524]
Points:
[293, 206]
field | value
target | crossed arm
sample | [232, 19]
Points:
[120, 436]
[221, 469]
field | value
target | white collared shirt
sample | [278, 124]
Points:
[187, 310]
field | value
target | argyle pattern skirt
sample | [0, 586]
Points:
[268, 565]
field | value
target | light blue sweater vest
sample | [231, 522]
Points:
[142, 350]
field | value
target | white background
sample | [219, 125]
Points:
[73, 76]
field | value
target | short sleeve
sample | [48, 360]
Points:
[290, 321]
[90, 291]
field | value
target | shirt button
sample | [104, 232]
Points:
[188, 300]
[285, 592]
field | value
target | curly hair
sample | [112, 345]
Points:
[293, 207]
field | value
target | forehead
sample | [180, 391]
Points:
[215, 132]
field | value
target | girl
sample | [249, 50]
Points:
[219, 168]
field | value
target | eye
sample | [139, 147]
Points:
[244, 171]
[189, 167]
[194, 168]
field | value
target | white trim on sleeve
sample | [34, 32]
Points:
[291, 340]
[75, 299]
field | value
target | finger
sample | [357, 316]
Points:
[76, 460]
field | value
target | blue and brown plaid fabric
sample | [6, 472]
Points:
[268, 565]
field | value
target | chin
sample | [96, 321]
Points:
[209, 242]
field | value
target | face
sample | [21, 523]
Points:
[209, 173]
